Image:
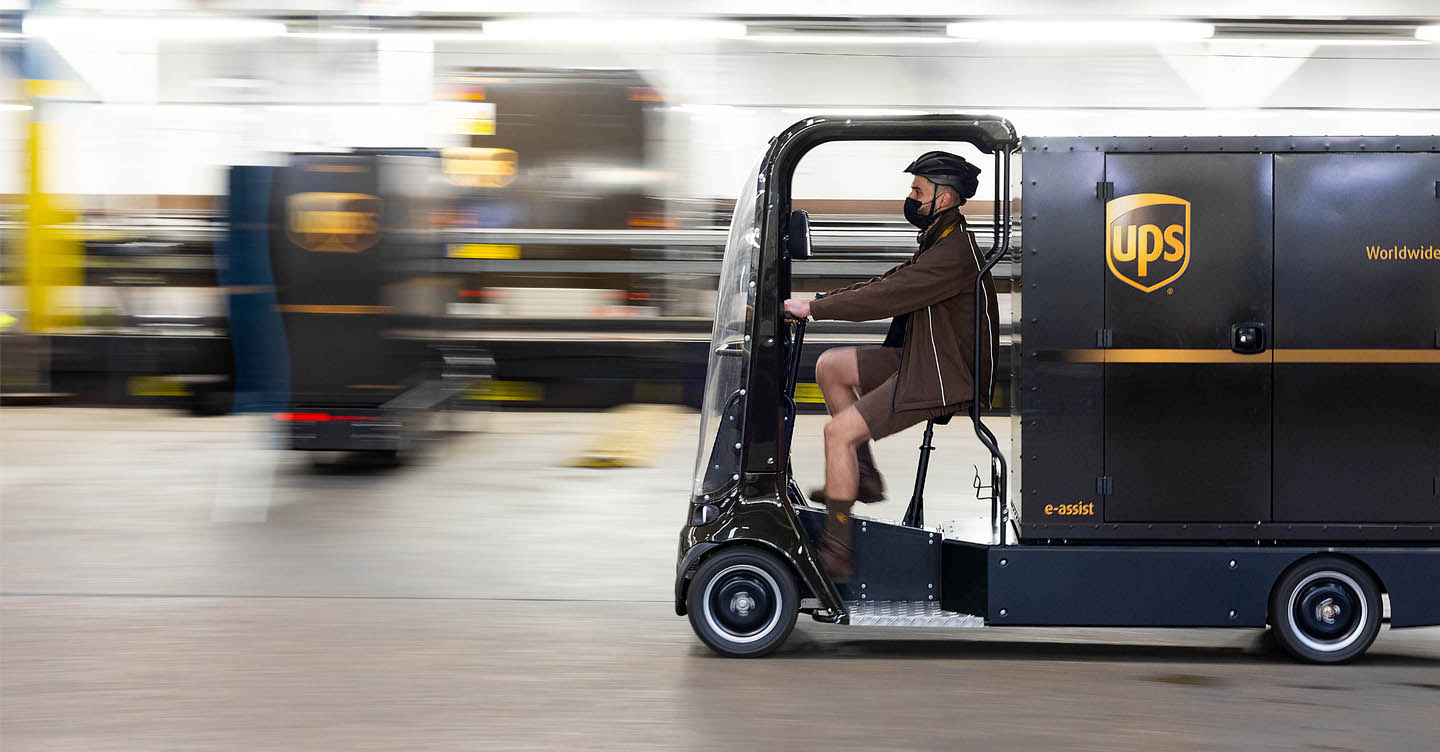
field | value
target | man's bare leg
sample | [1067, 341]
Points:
[843, 433]
[837, 372]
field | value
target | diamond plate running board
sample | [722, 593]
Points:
[908, 614]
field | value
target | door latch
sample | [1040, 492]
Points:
[1247, 338]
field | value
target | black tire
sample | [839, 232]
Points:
[743, 602]
[1325, 610]
[1270, 642]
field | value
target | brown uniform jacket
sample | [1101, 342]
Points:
[937, 287]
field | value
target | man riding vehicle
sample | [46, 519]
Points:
[923, 369]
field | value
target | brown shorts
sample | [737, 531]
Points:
[879, 368]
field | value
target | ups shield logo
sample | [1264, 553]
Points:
[333, 222]
[475, 167]
[1147, 239]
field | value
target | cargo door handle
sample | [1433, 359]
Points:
[1247, 338]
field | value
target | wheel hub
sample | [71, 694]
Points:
[742, 602]
[1327, 611]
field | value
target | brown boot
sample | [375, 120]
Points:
[872, 486]
[835, 553]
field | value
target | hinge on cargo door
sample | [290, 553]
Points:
[1104, 485]
[1104, 190]
[1104, 338]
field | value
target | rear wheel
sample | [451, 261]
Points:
[743, 602]
[1326, 610]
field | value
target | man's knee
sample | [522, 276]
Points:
[825, 364]
[846, 429]
[835, 364]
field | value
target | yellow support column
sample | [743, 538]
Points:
[52, 254]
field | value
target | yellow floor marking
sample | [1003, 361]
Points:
[482, 251]
[635, 437]
[808, 393]
[497, 390]
[156, 386]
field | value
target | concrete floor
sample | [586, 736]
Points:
[170, 584]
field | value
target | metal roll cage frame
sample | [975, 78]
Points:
[765, 449]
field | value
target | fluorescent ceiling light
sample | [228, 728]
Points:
[375, 36]
[15, 107]
[378, 35]
[1082, 32]
[606, 30]
[130, 27]
[1428, 33]
[131, 6]
[849, 39]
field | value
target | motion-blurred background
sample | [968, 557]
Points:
[367, 224]
[550, 185]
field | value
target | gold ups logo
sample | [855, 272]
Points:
[475, 167]
[1147, 239]
[335, 222]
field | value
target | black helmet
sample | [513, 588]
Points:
[944, 168]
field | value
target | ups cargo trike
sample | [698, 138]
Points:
[1225, 400]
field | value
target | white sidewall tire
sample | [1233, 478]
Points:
[1306, 647]
[767, 568]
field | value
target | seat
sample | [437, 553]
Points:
[915, 512]
[941, 420]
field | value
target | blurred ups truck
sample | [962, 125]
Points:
[326, 265]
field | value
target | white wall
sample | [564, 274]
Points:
[1202, 89]
[204, 106]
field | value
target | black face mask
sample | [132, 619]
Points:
[913, 215]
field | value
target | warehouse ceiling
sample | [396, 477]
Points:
[767, 9]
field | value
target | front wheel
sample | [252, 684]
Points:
[1326, 610]
[743, 602]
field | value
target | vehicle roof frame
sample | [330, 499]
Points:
[763, 427]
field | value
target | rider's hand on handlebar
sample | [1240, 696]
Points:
[800, 309]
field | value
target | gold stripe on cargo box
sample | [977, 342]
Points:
[1299, 355]
[346, 310]
[1209, 355]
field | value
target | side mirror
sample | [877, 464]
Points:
[797, 239]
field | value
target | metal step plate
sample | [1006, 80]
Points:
[908, 614]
